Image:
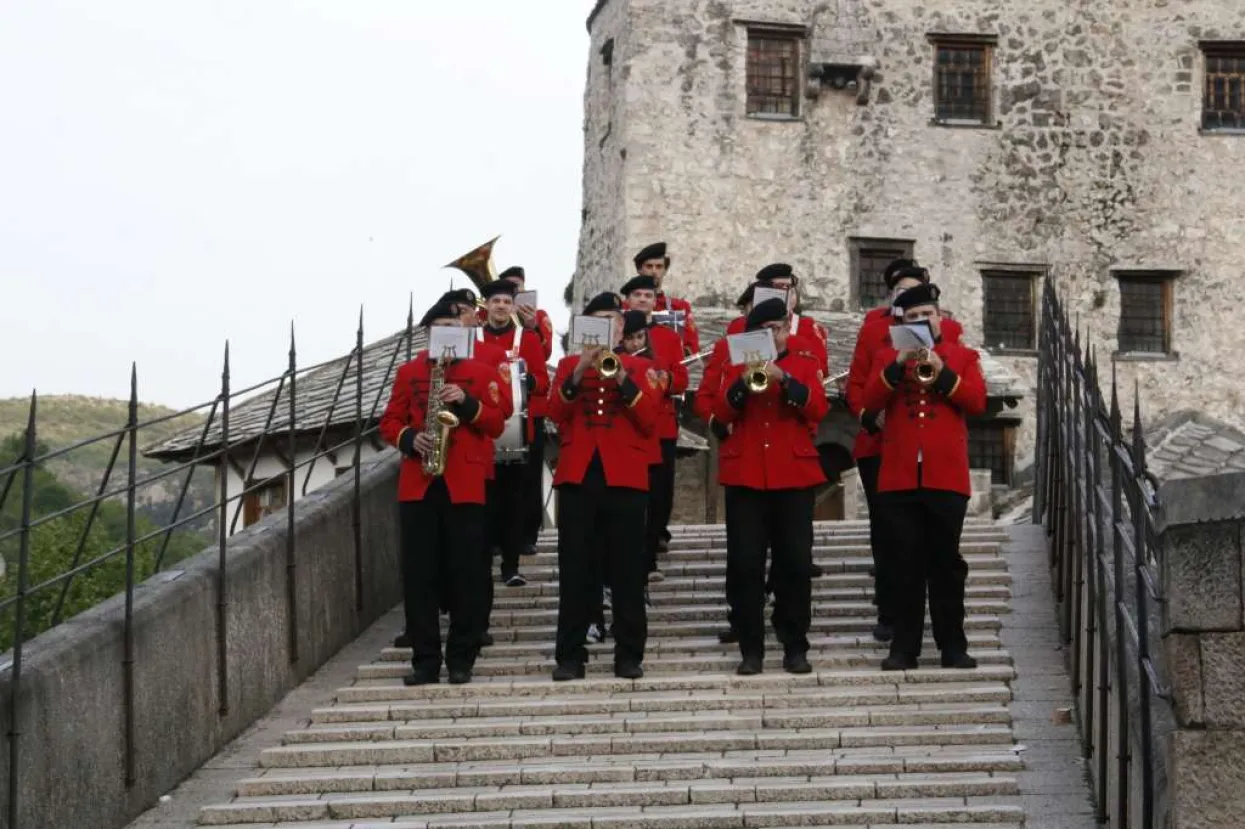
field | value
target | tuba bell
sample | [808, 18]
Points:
[478, 266]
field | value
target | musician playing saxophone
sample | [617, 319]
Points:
[442, 516]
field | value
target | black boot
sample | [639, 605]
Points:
[899, 662]
[751, 665]
[960, 661]
[628, 670]
[566, 671]
[796, 663]
[421, 676]
[728, 637]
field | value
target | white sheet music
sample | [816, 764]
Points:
[460, 342]
[911, 337]
[751, 346]
[760, 294]
[670, 319]
[526, 298]
[592, 330]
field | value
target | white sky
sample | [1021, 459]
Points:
[173, 174]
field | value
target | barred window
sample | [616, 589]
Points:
[267, 497]
[869, 260]
[1223, 100]
[962, 79]
[1007, 310]
[773, 72]
[1145, 312]
[991, 445]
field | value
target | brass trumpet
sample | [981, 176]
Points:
[608, 365]
[755, 376]
[924, 368]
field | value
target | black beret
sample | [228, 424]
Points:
[513, 270]
[903, 269]
[639, 283]
[499, 286]
[657, 250]
[603, 302]
[443, 308]
[746, 297]
[634, 321]
[778, 270]
[463, 295]
[924, 294]
[771, 310]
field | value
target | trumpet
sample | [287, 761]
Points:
[607, 363]
[924, 368]
[755, 375]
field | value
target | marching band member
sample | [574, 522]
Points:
[666, 351]
[923, 483]
[770, 469]
[653, 261]
[605, 426]
[442, 518]
[780, 276]
[874, 334]
[507, 491]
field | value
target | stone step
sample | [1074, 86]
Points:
[505, 600]
[925, 761]
[578, 796]
[655, 683]
[716, 566]
[603, 663]
[697, 646]
[842, 548]
[407, 751]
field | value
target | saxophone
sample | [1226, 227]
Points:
[438, 421]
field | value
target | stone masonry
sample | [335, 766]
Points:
[1094, 162]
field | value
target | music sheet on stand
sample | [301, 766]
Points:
[445, 339]
[752, 345]
[594, 330]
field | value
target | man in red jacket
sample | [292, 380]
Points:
[605, 428]
[442, 518]
[770, 469]
[665, 349]
[923, 483]
[655, 262]
[507, 491]
[781, 276]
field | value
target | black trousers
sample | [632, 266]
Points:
[534, 485]
[883, 581]
[781, 520]
[508, 504]
[660, 500]
[600, 541]
[443, 564]
[924, 527]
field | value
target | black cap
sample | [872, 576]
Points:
[499, 286]
[924, 294]
[634, 321]
[771, 310]
[746, 297]
[639, 283]
[903, 269]
[442, 309]
[465, 296]
[604, 302]
[513, 270]
[657, 250]
[778, 270]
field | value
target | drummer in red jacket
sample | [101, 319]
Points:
[771, 469]
[605, 429]
[923, 483]
[442, 518]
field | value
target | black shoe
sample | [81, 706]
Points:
[728, 637]
[750, 665]
[899, 662]
[486, 640]
[514, 580]
[460, 676]
[883, 633]
[817, 572]
[528, 550]
[567, 671]
[401, 641]
[628, 670]
[873, 572]
[796, 663]
[961, 661]
[421, 678]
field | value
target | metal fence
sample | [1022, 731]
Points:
[291, 421]
[1097, 500]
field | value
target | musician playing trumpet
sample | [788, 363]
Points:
[442, 516]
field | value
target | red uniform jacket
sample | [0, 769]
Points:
[711, 377]
[469, 455]
[875, 335]
[529, 349]
[691, 337]
[605, 417]
[807, 329]
[926, 426]
[643, 364]
[666, 350]
[543, 329]
[771, 440]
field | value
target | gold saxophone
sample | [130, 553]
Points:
[439, 421]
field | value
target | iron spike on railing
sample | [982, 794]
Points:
[356, 505]
[131, 505]
[19, 608]
[410, 327]
[291, 552]
[222, 540]
[1115, 405]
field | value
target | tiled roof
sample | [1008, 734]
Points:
[1189, 444]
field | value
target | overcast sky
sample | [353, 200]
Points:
[175, 174]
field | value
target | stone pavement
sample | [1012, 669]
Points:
[690, 745]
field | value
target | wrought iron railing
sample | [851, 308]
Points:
[1097, 501]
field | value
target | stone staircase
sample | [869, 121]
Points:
[689, 746]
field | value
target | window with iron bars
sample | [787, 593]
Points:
[773, 73]
[1008, 317]
[962, 80]
[1145, 312]
[1223, 99]
[991, 445]
[869, 260]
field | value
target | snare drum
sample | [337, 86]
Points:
[511, 447]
